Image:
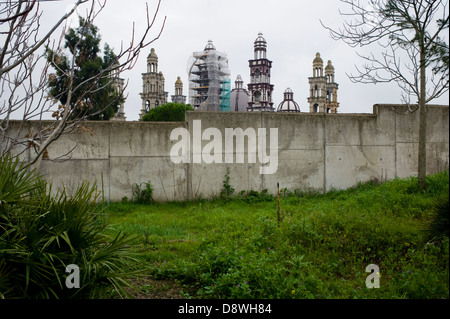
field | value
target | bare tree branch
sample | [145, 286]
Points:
[414, 51]
[23, 85]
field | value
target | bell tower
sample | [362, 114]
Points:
[153, 94]
[331, 104]
[323, 88]
[260, 89]
[179, 97]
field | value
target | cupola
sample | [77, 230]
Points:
[288, 104]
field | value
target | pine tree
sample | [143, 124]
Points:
[95, 96]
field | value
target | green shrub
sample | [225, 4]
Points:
[41, 234]
[439, 225]
[170, 112]
[437, 183]
[143, 195]
[253, 196]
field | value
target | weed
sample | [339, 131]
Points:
[253, 196]
[143, 195]
[227, 190]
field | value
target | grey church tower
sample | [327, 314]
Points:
[323, 88]
[178, 97]
[153, 94]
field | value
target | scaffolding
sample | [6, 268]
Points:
[225, 96]
[209, 80]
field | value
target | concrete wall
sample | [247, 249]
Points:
[315, 152]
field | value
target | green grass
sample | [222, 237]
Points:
[234, 248]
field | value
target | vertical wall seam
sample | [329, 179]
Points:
[109, 163]
[395, 143]
[261, 123]
[188, 170]
[324, 141]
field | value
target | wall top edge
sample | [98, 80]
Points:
[376, 107]
[404, 105]
[106, 122]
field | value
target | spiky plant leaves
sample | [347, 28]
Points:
[40, 234]
[15, 181]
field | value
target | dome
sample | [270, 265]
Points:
[152, 55]
[178, 81]
[318, 59]
[329, 67]
[288, 105]
[239, 100]
[260, 42]
[260, 38]
[210, 46]
[239, 97]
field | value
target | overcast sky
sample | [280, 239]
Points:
[291, 28]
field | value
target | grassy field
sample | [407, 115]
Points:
[237, 248]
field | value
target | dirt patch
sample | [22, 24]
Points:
[150, 288]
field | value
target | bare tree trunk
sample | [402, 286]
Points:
[422, 161]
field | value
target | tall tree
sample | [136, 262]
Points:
[96, 97]
[413, 37]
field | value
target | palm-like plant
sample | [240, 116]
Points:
[14, 180]
[41, 234]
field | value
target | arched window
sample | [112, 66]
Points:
[317, 72]
[257, 96]
[147, 105]
[315, 108]
[156, 103]
[330, 78]
[257, 76]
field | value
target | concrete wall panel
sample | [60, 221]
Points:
[315, 152]
[348, 165]
[71, 174]
[168, 180]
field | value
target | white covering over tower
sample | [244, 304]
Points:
[209, 80]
